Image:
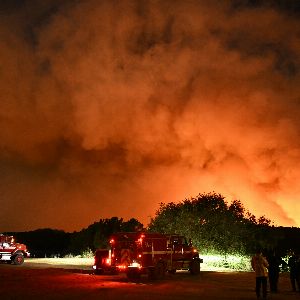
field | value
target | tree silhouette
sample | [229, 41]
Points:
[213, 224]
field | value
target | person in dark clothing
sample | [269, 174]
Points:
[274, 270]
[294, 265]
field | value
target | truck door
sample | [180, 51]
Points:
[181, 252]
[177, 252]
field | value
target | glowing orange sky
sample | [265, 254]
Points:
[110, 107]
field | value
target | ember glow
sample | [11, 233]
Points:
[110, 107]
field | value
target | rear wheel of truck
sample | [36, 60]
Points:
[18, 259]
[98, 272]
[133, 275]
[158, 272]
[114, 271]
[195, 267]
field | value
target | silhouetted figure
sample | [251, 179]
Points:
[274, 270]
[294, 265]
[260, 264]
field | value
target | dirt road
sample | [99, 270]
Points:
[40, 280]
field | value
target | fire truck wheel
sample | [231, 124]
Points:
[133, 275]
[195, 267]
[158, 272]
[18, 259]
[99, 272]
[114, 271]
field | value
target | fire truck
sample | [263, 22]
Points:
[148, 253]
[12, 252]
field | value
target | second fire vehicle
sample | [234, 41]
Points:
[147, 253]
[12, 252]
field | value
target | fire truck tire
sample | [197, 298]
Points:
[18, 259]
[114, 271]
[158, 272]
[99, 272]
[195, 267]
[151, 274]
[133, 275]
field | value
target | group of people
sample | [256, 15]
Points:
[269, 267]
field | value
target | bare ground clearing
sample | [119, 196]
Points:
[72, 279]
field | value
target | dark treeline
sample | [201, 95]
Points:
[50, 242]
[214, 226]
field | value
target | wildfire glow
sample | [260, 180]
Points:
[109, 108]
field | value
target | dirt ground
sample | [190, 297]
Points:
[49, 279]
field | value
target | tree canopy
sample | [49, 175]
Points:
[212, 223]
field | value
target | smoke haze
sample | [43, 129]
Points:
[108, 108]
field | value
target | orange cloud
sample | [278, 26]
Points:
[109, 108]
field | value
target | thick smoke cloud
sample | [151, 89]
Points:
[110, 107]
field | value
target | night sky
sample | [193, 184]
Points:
[108, 108]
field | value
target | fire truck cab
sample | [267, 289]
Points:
[150, 253]
[12, 252]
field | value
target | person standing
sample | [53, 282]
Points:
[260, 264]
[274, 270]
[294, 265]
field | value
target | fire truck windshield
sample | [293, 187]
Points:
[180, 241]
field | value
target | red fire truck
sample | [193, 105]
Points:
[148, 253]
[12, 252]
